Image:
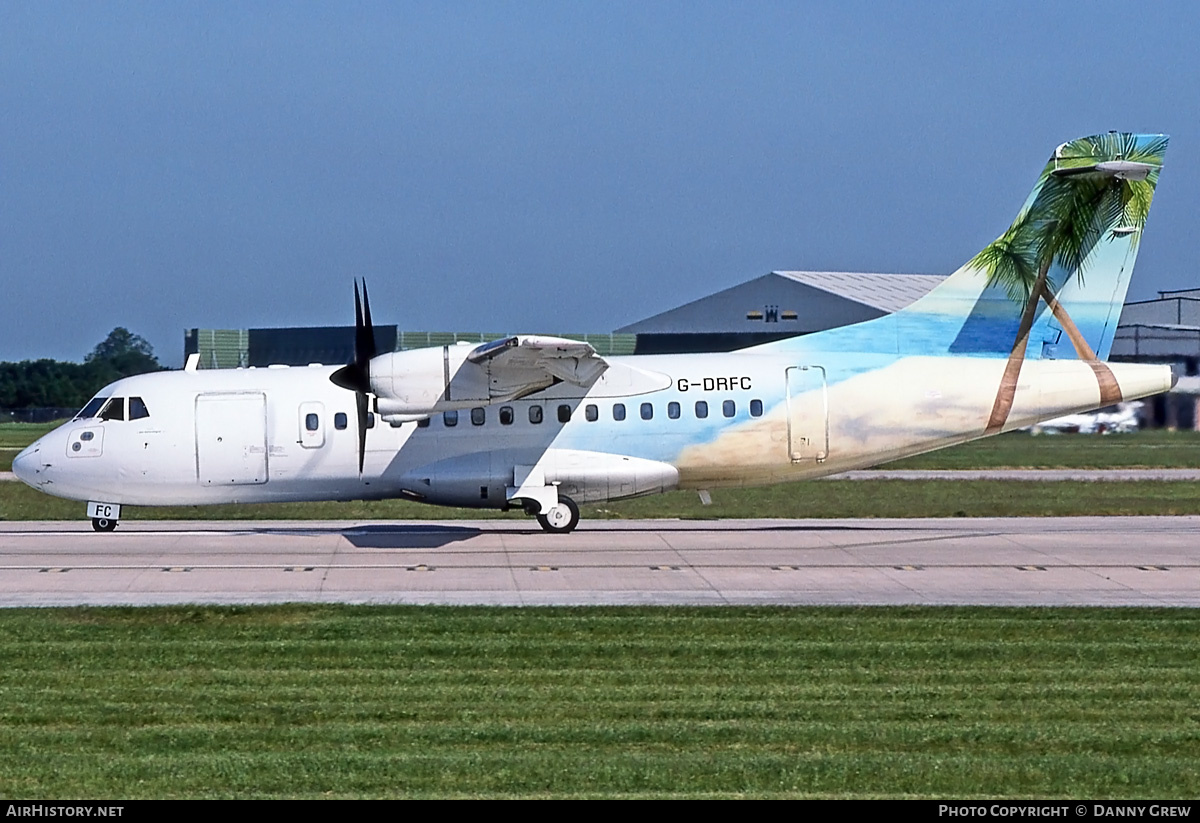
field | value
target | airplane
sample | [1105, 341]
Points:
[1119, 419]
[1019, 334]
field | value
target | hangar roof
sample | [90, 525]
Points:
[790, 302]
[886, 292]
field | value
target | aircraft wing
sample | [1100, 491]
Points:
[523, 364]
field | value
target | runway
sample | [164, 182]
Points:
[1102, 561]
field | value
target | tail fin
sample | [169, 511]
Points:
[1056, 279]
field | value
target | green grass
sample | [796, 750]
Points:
[327, 701]
[16, 436]
[815, 498]
[1157, 448]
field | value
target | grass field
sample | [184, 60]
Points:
[16, 436]
[1157, 449]
[326, 701]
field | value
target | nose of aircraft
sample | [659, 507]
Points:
[26, 465]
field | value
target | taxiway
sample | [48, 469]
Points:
[1105, 561]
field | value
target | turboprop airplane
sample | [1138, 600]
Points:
[1019, 334]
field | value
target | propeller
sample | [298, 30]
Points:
[356, 376]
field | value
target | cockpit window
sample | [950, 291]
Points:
[137, 409]
[91, 409]
[114, 409]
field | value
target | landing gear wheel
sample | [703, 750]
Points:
[103, 524]
[562, 518]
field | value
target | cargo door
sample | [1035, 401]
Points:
[231, 439]
[807, 414]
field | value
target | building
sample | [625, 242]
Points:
[777, 305]
[332, 345]
[1166, 330]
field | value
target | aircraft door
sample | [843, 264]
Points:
[231, 439]
[807, 413]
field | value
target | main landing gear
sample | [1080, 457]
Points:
[562, 518]
[103, 524]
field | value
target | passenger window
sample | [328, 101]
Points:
[673, 411]
[729, 408]
[591, 413]
[701, 409]
[137, 409]
[756, 408]
[564, 413]
[423, 423]
[535, 414]
[370, 420]
[115, 410]
[450, 419]
[91, 409]
[478, 415]
[339, 421]
[312, 422]
[647, 411]
[618, 411]
[506, 415]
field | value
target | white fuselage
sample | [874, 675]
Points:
[650, 424]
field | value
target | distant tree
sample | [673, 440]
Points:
[122, 354]
[51, 383]
[45, 383]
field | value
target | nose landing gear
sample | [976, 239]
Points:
[104, 515]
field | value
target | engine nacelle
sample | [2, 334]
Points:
[418, 382]
[413, 384]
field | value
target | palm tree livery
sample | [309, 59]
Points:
[1094, 190]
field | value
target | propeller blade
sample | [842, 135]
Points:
[356, 375]
[360, 400]
[367, 344]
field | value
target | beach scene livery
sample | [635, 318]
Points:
[1019, 334]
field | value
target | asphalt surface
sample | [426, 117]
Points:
[1105, 561]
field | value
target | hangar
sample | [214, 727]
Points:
[777, 305]
[1166, 330]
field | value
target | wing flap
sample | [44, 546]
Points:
[523, 364]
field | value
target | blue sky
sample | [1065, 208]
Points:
[561, 166]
